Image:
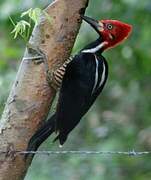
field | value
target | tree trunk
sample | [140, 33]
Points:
[31, 96]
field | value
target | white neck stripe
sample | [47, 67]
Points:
[95, 49]
[103, 75]
[96, 74]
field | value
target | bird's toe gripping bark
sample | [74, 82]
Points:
[54, 77]
[38, 57]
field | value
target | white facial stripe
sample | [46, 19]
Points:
[97, 48]
[110, 36]
[103, 75]
[96, 74]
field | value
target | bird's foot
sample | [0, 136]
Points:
[53, 77]
[37, 55]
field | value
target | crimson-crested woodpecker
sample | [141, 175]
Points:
[84, 79]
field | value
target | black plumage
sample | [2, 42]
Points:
[83, 81]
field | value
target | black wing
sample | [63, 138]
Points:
[76, 95]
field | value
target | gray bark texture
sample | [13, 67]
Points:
[30, 98]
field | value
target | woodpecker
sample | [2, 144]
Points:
[82, 80]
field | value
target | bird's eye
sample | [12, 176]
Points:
[110, 26]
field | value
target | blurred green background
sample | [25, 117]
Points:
[119, 120]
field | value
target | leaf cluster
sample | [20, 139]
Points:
[23, 27]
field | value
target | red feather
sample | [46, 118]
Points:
[114, 32]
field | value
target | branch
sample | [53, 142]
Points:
[30, 97]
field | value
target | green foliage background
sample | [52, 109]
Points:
[119, 120]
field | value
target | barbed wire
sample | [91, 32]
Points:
[127, 153]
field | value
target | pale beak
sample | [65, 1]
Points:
[97, 25]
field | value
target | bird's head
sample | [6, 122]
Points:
[112, 32]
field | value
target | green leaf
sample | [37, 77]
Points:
[20, 28]
[25, 13]
[35, 15]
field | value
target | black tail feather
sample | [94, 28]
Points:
[62, 138]
[42, 134]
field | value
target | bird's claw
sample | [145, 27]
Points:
[38, 61]
[38, 56]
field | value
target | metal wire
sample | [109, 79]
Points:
[127, 153]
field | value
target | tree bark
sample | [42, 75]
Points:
[31, 96]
